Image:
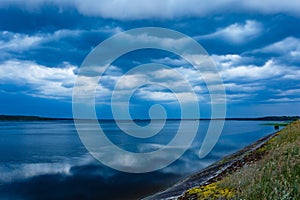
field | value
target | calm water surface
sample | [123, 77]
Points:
[46, 159]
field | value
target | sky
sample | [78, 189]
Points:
[254, 44]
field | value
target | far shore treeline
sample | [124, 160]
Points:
[37, 118]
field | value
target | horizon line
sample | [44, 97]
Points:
[34, 117]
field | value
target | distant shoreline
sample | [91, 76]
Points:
[37, 118]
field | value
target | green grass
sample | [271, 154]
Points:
[275, 176]
[277, 124]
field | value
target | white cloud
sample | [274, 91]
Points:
[18, 42]
[287, 45]
[143, 9]
[288, 49]
[183, 97]
[158, 40]
[237, 33]
[238, 97]
[290, 92]
[293, 73]
[158, 84]
[284, 100]
[248, 88]
[244, 81]
[156, 95]
[233, 70]
[170, 61]
[253, 72]
[241, 80]
[76, 32]
[272, 6]
[134, 9]
[54, 82]
[131, 81]
[226, 61]
[48, 82]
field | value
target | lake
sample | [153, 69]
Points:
[46, 159]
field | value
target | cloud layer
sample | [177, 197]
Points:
[38, 80]
[142, 9]
[236, 33]
[254, 44]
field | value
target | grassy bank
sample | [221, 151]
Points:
[273, 174]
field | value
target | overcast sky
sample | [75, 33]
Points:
[255, 45]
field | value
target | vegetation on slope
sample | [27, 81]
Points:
[276, 175]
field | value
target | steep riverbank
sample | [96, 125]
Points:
[203, 184]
